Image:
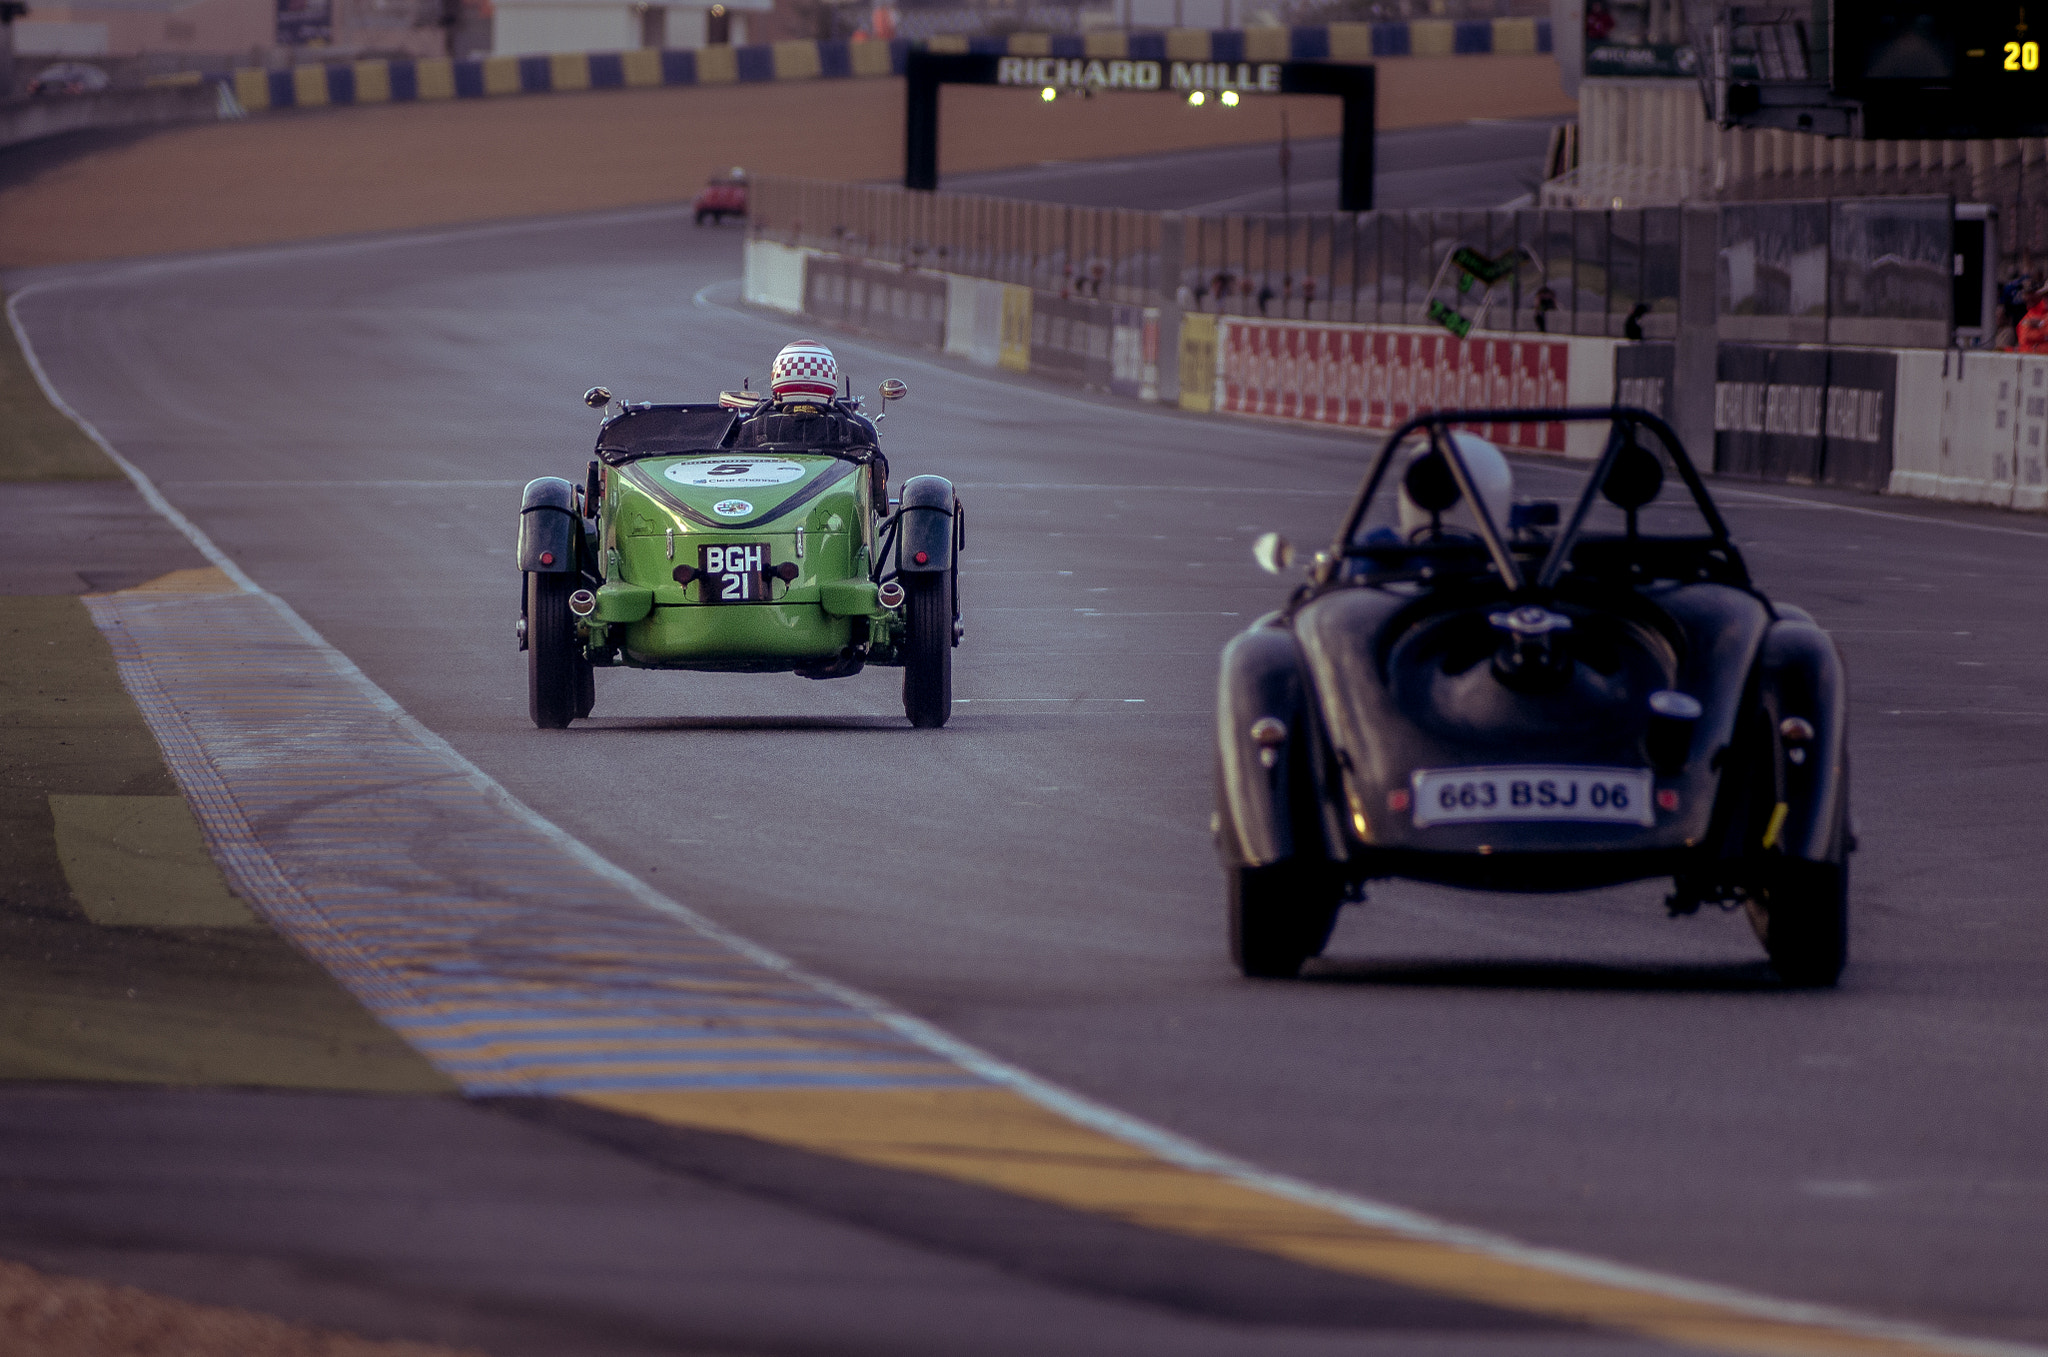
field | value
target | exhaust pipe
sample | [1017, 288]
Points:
[890, 595]
[583, 603]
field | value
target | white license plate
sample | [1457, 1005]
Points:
[1533, 792]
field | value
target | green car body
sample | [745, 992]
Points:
[750, 540]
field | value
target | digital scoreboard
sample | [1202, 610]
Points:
[1968, 69]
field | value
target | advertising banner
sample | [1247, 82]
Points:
[1643, 374]
[1376, 379]
[305, 23]
[1637, 37]
[1808, 414]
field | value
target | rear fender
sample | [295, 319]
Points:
[1800, 674]
[548, 526]
[926, 526]
[1269, 796]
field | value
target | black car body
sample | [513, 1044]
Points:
[1535, 707]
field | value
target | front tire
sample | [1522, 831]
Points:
[1280, 916]
[928, 649]
[553, 691]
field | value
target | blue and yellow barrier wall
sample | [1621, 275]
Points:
[399, 82]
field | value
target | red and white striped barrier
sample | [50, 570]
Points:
[1373, 378]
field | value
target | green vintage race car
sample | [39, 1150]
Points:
[755, 534]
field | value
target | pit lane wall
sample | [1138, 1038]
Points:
[1967, 426]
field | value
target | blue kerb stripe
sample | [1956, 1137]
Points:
[469, 80]
[678, 68]
[899, 55]
[405, 82]
[607, 71]
[1309, 44]
[1226, 44]
[282, 95]
[1472, 37]
[756, 61]
[536, 75]
[1390, 40]
[835, 60]
[341, 84]
[1069, 45]
[984, 45]
[1543, 35]
[1148, 47]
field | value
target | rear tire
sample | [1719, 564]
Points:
[552, 688]
[1801, 915]
[928, 650]
[1280, 916]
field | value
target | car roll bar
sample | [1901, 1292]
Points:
[1438, 425]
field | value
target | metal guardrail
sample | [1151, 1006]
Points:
[1876, 269]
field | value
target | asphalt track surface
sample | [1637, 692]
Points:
[351, 421]
[1466, 166]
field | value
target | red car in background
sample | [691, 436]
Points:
[723, 196]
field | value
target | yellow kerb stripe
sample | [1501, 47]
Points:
[309, 86]
[1266, 44]
[717, 65]
[569, 71]
[1030, 45]
[501, 75]
[434, 78]
[252, 89]
[1431, 37]
[642, 67]
[1350, 42]
[1187, 44]
[872, 59]
[999, 1139]
[1114, 44]
[1514, 37]
[796, 59]
[373, 82]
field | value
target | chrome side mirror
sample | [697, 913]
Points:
[1273, 552]
[894, 389]
[597, 398]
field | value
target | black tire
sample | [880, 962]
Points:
[551, 659]
[1280, 916]
[928, 650]
[701, 216]
[1800, 912]
[586, 686]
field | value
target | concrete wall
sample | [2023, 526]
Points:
[1952, 425]
[116, 108]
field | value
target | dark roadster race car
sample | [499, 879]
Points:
[1476, 696]
[750, 535]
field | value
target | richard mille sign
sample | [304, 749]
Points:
[1102, 74]
[1203, 84]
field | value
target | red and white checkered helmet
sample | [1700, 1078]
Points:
[804, 371]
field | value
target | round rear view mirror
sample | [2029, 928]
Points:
[894, 389]
[597, 398]
[1273, 552]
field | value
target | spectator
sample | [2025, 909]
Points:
[1632, 328]
[2033, 327]
[1546, 302]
